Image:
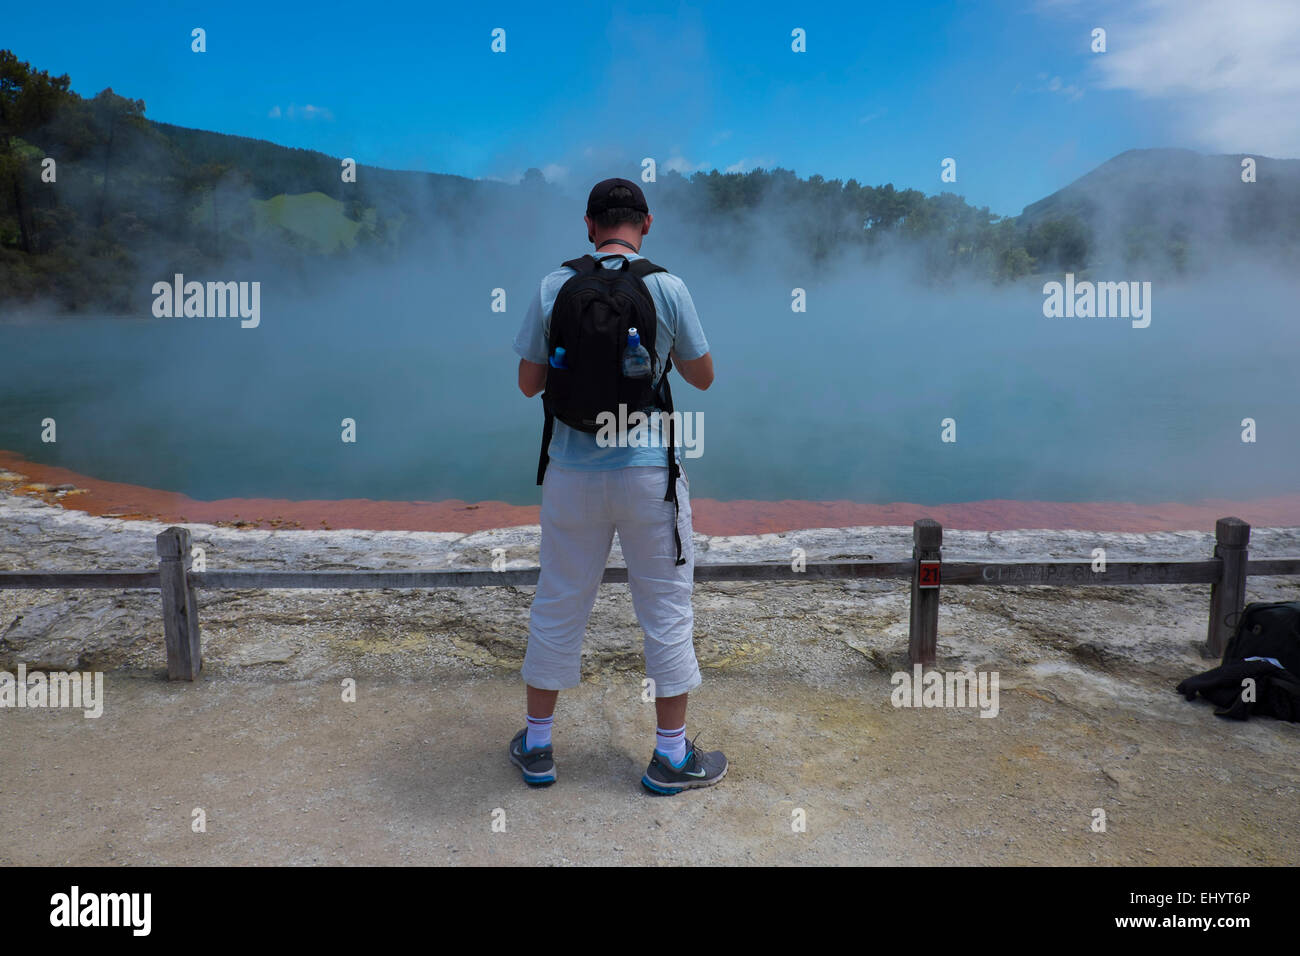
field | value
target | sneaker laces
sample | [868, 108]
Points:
[687, 758]
[695, 745]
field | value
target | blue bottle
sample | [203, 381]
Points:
[636, 360]
[557, 359]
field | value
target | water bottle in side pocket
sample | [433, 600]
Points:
[636, 360]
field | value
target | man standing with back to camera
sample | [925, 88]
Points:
[580, 326]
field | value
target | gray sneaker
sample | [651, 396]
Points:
[538, 766]
[700, 769]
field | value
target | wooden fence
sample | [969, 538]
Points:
[1226, 572]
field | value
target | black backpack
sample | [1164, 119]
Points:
[1267, 630]
[1263, 630]
[593, 312]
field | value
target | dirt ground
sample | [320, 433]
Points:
[416, 773]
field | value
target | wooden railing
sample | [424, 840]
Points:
[1226, 572]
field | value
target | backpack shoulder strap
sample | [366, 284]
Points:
[644, 267]
[638, 267]
[582, 264]
[545, 458]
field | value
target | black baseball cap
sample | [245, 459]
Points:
[599, 201]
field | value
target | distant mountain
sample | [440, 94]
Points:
[1146, 204]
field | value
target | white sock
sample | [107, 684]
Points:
[671, 743]
[539, 732]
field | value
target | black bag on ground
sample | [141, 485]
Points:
[1264, 630]
[1276, 692]
[1267, 630]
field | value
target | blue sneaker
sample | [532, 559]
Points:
[537, 765]
[700, 769]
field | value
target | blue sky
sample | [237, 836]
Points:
[884, 93]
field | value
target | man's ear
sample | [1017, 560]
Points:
[645, 226]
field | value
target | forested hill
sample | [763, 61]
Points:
[96, 199]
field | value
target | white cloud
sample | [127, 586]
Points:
[308, 112]
[555, 173]
[678, 164]
[1230, 70]
[744, 165]
[1056, 85]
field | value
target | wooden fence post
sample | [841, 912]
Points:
[180, 609]
[923, 630]
[1228, 594]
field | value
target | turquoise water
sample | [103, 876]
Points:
[844, 401]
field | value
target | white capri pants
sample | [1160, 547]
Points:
[580, 512]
